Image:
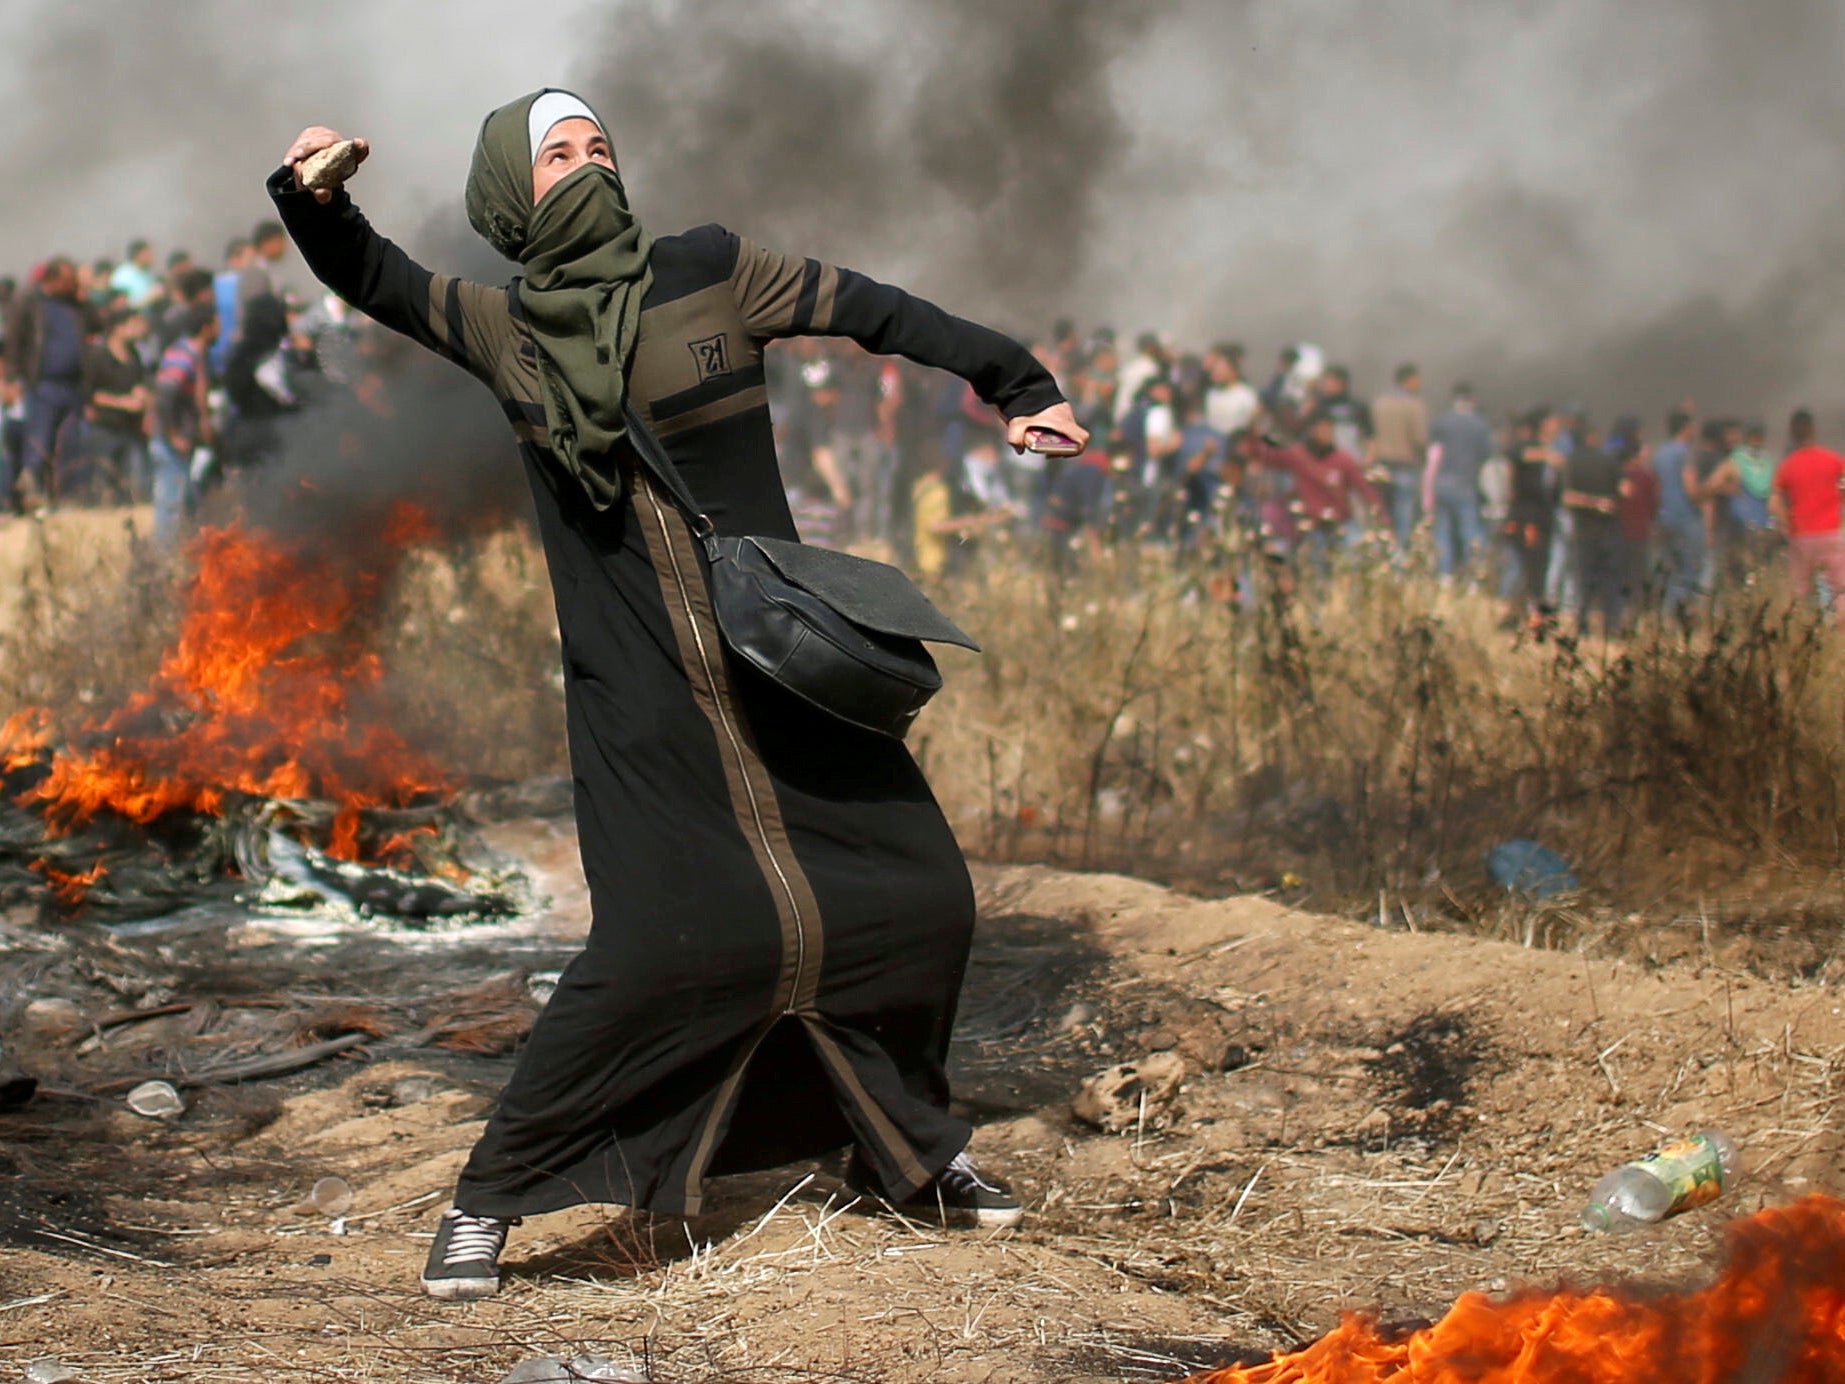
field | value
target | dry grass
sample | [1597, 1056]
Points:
[85, 610]
[1376, 732]
[471, 652]
[1356, 745]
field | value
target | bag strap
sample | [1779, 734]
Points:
[646, 446]
[654, 457]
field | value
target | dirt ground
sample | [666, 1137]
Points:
[1367, 1119]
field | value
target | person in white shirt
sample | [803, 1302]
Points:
[1230, 404]
[1149, 360]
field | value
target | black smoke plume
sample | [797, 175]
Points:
[1627, 203]
[971, 150]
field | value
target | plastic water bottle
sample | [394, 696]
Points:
[1683, 1174]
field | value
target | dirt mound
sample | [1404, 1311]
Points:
[1368, 1119]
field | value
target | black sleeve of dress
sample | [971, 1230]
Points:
[465, 322]
[782, 295]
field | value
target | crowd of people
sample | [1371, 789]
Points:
[1558, 515]
[123, 382]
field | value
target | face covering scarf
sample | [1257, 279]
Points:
[586, 272]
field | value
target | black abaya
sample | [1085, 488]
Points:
[780, 914]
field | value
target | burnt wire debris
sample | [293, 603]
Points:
[217, 1000]
[205, 951]
[422, 863]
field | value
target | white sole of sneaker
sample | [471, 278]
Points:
[461, 1289]
[959, 1217]
[950, 1218]
[999, 1220]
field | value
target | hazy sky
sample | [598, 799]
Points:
[161, 117]
[1617, 199]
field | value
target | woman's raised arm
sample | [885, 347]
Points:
[468, 323]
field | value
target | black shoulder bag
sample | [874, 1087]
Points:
[842, 633]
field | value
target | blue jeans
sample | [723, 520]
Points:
[1405, 501]
[12, 457]
[871, 472]
[54, 409]
[172, 489]
[1681, 561]
[120, 459]
[1458, 531]
[1560, 591]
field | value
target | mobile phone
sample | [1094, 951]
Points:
[1051, 443]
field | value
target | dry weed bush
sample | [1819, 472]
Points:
[1371, 732]
[472, 656]
[85, 611]
[465, 631]
[1374, 731]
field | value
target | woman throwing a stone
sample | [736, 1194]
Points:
[780, 914]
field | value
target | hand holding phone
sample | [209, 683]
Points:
[1052, 432]
[1051, 443]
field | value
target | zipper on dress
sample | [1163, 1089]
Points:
[749, 787]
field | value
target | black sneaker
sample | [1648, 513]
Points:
[464, 1262]
[961, 1195]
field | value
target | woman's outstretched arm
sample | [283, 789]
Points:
[466, 322]
[785, 295]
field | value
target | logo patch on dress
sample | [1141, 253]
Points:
[712, 355]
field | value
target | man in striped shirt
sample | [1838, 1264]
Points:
[182, 418]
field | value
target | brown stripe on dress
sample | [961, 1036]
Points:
[718, 409]
[437, 308]
[898, 1147]
[676, 561]
[720, 1105]
[457, 321]
[823, 298]
[667, 360]
[788, 871]
[766, 286]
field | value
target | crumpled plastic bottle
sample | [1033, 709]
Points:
[594, 1369]
[1677, 1177]
[156, 1100]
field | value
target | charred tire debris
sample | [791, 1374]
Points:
[217, 954]
[425, 862]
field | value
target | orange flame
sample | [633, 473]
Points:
[260, 695]
[68, 889]
[399, 850]
[23, 737]
[408, 525]
[1776, 1313]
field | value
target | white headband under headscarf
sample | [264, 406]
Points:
[551, 108]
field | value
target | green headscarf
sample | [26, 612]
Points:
[586, 263]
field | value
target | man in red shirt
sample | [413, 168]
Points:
[1806, 504]
[1637, 509]
[1329, 486]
